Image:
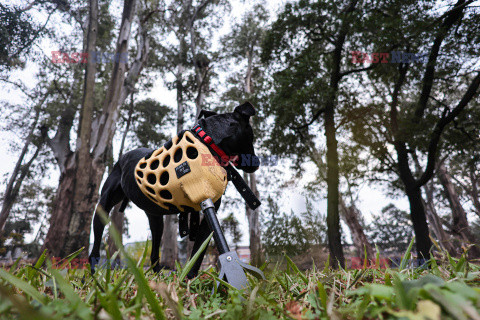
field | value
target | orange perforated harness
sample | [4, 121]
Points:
[178, 177]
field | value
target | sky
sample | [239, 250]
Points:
[371, 200]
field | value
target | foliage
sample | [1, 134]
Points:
[17, 33]
[149, 117]
[36, 202]
[450, 289]
[391, 230]
[231, 226]
[292, 234]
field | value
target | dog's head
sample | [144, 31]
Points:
[233, 133]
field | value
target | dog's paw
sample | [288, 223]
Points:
[93, 262]
[192, 275]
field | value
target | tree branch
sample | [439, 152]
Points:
[428, 77]
[440, 126]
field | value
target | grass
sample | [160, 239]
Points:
[449, 289]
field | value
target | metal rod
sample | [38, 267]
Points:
[209, 210]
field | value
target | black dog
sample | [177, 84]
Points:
[231, 132]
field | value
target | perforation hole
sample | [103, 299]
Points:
[178, 155]
[165, 194]
[151, 178]
[154, 164]
[166, 161]
[164, 178]
[192, 153]
[150, 190]
[140, 174]
[139, 181]
[143, 165]
[188, 139]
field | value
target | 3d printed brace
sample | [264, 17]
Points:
[177, 176]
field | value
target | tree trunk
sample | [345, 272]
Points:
[255, 235]
[60, 217]
[70, 227]
[435, 221]
[460, 225]
[473, 190]
[333, 217]
[14, 184]
[419, 220]
[351, 216]
[85, 186]
[169, 242]
[11, 196]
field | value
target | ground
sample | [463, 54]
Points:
[448, 289]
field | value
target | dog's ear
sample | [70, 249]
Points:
[246, 110]
[206, 114]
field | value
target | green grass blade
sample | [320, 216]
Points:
[139, 275]
[407, 255]
[24, 286]
[191, 262]
[295, 268]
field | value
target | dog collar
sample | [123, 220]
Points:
[205, 138]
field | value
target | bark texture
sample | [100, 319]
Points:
[435, 222]
[351, 215]
[254, 230]
[82, 170]
[460, 225]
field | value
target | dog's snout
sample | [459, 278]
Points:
[248, 163]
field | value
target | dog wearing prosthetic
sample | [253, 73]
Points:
[133, 178]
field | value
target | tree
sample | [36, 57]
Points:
[292, 234]
[231, 226]
[308, 42]
[189, 61]
[20, 171]
[243, 45]
[460, 226]
[391, 230]
[82, 169]
[418, 113]
[18, 34]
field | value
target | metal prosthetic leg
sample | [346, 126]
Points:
[231, 268]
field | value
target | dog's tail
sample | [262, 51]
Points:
[124, 204]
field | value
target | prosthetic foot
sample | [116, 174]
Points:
[231, 268]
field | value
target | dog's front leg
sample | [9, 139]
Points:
[156, 226]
